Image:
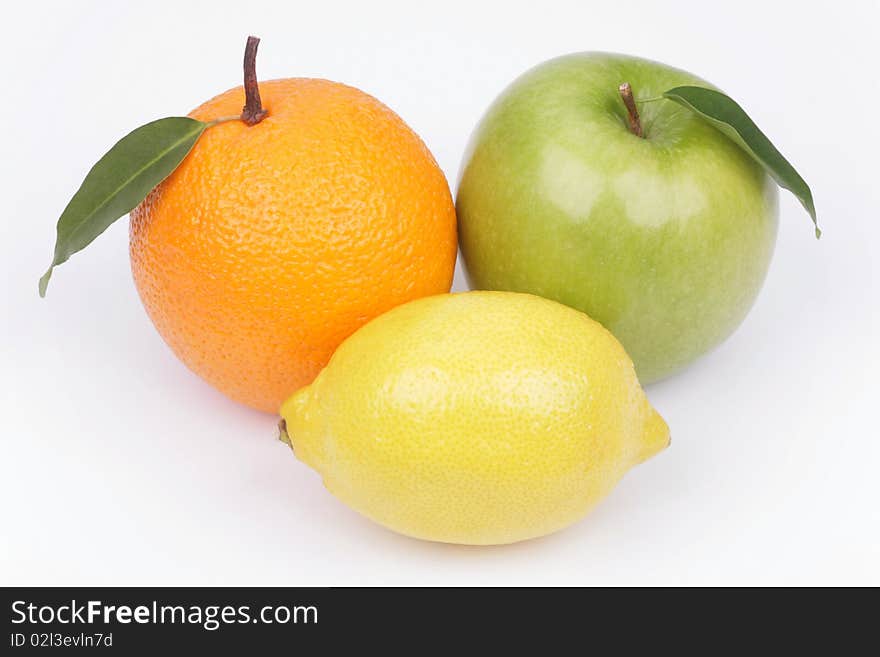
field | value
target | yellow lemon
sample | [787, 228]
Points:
[477, 418]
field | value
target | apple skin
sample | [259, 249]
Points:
[665, 240]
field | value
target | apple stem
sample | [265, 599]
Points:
[635, 125]
[253, 111]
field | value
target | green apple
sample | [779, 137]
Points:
[664, 238]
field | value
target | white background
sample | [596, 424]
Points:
[119, 466]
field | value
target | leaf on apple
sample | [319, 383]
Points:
[726, 115]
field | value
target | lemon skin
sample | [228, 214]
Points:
[477, 418]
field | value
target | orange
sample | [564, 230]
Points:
[272, 243]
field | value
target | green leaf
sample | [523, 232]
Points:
[120, 181]
[726, 115]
